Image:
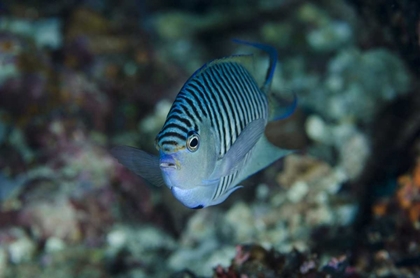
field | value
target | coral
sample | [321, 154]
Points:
[395, 26]
[352, 144]
[138, 248]
[45, 32]
[58, 219]
[408, 197]
[19, 247]
[282, 220]
[201, 238]
[393, 234]
[351, 73]
[255, 261]
[330, 37]
[74, 261]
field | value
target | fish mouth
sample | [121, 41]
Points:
[168, 165]
[168, 161]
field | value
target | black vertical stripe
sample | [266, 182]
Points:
[231, 111]
[242, 94]
[214, 76]
[197, 91]
[233, 108]
[237, 92]
[217, 119]
[201, 89]
[238, 104]
[189, 115]
[198, 103]
[191, 106]
[226, 94]
[251, 94]
[260, 104]
[176, 126]
[181, 119]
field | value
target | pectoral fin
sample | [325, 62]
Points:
[139, 162]
[243, 144]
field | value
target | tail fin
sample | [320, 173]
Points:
[272, 52]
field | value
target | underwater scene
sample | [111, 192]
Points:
[225, 139]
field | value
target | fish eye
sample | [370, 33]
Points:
[193, 142]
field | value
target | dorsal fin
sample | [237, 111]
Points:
[273, 61]
[277, 110]
[246, 60]
[280, 110]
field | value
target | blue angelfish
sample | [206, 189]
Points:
[213, 137]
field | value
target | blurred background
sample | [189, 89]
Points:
[79, 76]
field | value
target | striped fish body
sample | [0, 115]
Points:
[213, 137]
[225, 94]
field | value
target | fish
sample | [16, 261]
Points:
[213, 137]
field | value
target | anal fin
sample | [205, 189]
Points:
[263, 154]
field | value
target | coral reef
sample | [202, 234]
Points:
[394, 24]
[255, 261]
[77, 77]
